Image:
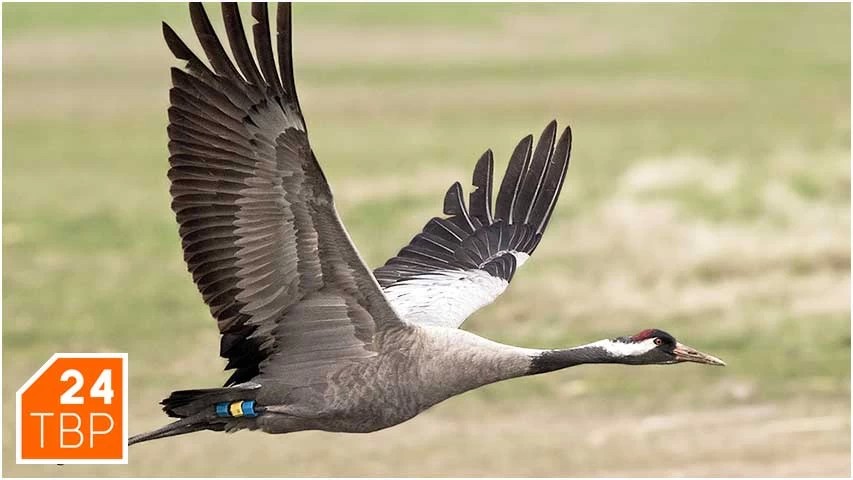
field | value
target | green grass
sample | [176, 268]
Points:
[709, 195]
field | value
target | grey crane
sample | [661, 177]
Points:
[317, 341]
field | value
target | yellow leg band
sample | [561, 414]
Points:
[236, 409]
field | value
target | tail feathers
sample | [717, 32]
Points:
[186, 403]
[196, 410]
[180, 427]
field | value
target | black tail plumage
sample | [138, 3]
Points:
[196, 410]
[185, 403]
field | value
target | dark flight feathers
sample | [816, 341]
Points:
[259, 230]
[476, 238]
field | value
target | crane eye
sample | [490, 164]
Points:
[658, 341]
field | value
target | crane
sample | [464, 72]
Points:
[314, 339]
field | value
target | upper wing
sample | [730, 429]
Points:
[463, 262]
[260, 233]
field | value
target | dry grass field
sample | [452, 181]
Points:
[709, 195]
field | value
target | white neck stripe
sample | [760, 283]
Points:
[625, 349]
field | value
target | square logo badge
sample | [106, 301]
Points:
[74, 410]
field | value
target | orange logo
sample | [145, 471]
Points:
[74, 410]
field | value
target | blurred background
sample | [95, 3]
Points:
[709, 195]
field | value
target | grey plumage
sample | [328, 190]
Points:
[314, 338]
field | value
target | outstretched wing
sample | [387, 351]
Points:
[463, 262]
[259, 229]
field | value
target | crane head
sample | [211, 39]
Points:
[653, 346]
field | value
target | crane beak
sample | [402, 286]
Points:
[683, 353]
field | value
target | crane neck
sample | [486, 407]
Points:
[550, 360]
